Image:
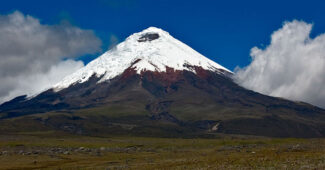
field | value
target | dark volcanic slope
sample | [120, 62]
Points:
[185, 102]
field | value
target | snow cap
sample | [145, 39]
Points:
[153, 49]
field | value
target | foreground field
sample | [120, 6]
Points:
[49, 151]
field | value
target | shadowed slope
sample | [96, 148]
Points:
[172, 103]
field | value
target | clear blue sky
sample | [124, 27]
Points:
[224, 31]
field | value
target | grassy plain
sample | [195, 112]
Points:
[53, 150]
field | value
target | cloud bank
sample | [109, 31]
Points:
[292, 66]
[34, 56]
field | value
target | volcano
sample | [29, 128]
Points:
[153, 84]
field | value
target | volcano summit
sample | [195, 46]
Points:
[150, 50]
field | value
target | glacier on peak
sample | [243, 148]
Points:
[153, 49]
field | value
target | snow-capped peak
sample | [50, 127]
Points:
[153, 49]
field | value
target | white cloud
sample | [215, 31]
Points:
[33, 56]
[292, 66]
[31, 84]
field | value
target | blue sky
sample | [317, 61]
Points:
[224, 31]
